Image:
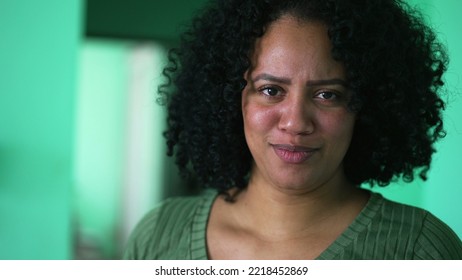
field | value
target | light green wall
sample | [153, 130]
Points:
[38, 61]
[444, 191]
[120, 152]
[100, 142]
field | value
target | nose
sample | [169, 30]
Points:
[297, 116]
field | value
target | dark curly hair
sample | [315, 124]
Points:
[394, 68]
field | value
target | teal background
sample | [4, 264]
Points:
[38, 70]
[53, 183]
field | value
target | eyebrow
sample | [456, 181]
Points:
[271, 78]
[287, 81]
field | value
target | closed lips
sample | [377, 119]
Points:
[293, 154]
[292, 148]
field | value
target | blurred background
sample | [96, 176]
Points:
[82, 156]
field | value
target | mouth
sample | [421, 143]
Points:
[293, 154]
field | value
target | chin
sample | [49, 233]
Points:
[295, 186]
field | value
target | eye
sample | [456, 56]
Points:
[331, 98]
[327, 95]
[270, 91]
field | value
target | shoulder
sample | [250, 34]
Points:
[437, 241]
[165, 232]
[422, 235]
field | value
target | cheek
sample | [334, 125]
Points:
[258, 119]
[339, 125]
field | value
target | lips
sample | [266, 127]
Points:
[293, 154]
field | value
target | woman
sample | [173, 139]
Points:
[285, 108]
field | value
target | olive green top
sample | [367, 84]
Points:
[176, 229]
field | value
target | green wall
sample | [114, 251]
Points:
[38, 63]
[100, 144]
[139, 19]
[444, 190]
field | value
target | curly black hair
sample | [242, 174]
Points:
[394, 66]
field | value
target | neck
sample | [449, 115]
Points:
[279, 213]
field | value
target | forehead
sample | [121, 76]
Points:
[295, 47]
[294, 33]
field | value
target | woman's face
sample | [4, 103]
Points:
[296, 121]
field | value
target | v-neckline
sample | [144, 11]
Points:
[198, 243]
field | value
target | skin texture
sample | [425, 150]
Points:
[298, 129]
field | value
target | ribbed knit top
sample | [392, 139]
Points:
[176, 229]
